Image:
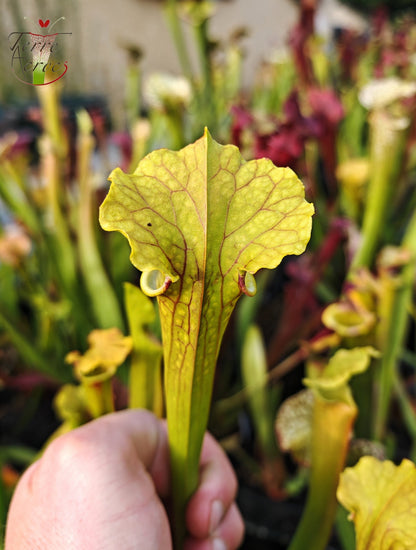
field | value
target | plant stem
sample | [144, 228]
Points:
[386, 151]
[57, 229]
[174, 119]
[99, 397]
[103, 299]
[363, 387]
[133, 82]
[396, 331]
[145, 381]
[53, 151]
[185, 419]
[145, 375]
[49, 101]
[206, 94]
[331, 431]
[178, 38]
[345, 529]
[408, 413]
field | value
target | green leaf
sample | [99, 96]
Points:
[381, 498]
[200, 223]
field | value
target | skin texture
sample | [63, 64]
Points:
[103, 487]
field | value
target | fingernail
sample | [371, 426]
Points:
[217, 513]
[218, 544]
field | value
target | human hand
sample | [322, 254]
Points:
[101, 487]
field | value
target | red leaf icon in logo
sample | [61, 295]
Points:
[44, 23]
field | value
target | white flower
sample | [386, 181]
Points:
[162, 90]
[381, 93]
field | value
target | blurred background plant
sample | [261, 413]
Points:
[340, 112]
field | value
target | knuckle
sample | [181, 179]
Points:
[69, 450]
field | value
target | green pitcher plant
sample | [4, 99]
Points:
[316, 426]
[201, 222]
